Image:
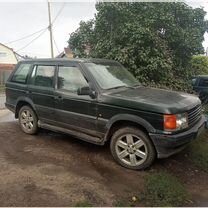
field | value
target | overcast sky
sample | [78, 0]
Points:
[19, 19]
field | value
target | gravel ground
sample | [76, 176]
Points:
[57, 170]
[51, 169]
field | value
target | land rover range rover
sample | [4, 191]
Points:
[99, 100]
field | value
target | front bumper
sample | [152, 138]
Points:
[167, 145]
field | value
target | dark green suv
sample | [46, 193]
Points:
[98, 100]
[200, 86]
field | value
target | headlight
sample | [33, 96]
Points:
[175, 122]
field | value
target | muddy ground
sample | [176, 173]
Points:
[52, 169]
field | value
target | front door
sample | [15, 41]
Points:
[73, 111]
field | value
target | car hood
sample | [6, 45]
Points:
[152, 99]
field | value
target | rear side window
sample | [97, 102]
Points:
[43, 76]
[21, 73]
[203, 83]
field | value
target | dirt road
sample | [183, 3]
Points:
[56, 170]
[52, 169]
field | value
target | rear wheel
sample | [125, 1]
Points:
[132, 148]
[28, 120]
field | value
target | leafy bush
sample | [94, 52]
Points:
[155, 41]
[199, 65]
[83, 204]
[163, 189]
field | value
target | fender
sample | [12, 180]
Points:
[24, 99]
[131, 118]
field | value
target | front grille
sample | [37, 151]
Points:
[194, 115]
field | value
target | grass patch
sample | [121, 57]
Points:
[198, 151]
[163, 189]
[2, 88]
[83, 204]
[121, 203]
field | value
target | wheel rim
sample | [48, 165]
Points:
[131, 150]
[27, 120]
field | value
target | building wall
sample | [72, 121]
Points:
[4, 75]
[7, 56]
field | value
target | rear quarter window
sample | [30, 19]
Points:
[193, 81]
[21, 74]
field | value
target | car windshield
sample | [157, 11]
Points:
[111, 75]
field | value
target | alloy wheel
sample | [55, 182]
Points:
[27, 120]
[131, 150]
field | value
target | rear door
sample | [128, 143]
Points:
[16, 85]
[41, 90]
[77, 112]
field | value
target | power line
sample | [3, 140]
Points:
[32, 40]
[42, 32]
[25, 37]
[59, 12]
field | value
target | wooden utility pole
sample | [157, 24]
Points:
[50, 29]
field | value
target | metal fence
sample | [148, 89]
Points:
[4, 75]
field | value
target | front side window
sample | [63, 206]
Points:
[43, 76]
[21, 73]
[71, 79]
[111, 75]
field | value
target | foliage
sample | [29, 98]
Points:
[199, 65]
[155, 41]
[121, 203]
[81, 38]
[163, 189]
[83, 204]
[199, 152]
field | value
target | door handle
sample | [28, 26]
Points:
[59, 97]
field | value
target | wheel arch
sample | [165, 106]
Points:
[123, 120]
[22, 102]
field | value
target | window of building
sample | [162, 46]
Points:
[3, 54]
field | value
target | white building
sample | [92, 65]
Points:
[8, 60]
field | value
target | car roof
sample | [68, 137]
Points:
[200, 76]
[78, 60]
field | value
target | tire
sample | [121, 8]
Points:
[132, 148]
[28, 120]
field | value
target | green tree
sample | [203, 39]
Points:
[199, 65]
[155, 41]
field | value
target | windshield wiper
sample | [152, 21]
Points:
[136, 85]
[120, 87]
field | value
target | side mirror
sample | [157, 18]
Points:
[86, 91]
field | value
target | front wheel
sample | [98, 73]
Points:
[132, 148]
[28, 120]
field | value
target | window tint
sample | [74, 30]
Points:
[43, 76]
[71, 78]
[22, 73]
[193, 81]
[111, 75]
[203, 83]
